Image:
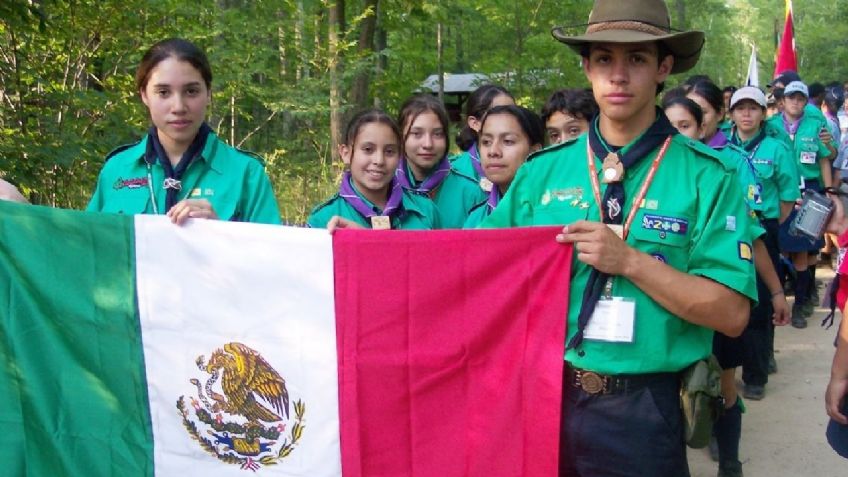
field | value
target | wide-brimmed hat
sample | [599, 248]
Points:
[636, 21]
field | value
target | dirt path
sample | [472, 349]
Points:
[783, 435]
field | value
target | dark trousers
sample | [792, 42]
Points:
[637, 433]
[758, 337]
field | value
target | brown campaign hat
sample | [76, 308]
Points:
[636, 21]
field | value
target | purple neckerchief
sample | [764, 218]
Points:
[718, 140]
[791, 127]
[475, 160]
[494, 197]
[433, 181]
[393, 205]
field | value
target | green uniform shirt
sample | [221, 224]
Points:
[807, 149]
[455, 197]
[693, 218]
[463, 164]
[234, 183]
[735, 160]
[419, 213]
[477, 215]
[777, 173]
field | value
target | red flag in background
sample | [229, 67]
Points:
[786, 58]
[450, 351]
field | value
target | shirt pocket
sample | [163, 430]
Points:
[664, 236]
[764, 168]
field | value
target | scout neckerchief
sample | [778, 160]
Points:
[173, 175]
[379, 219]
[752, 145]
[430, 184]
[474, 152]
[494, 198]
[791, 126]
[615, 165]
[718, 140]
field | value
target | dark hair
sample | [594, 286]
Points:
[182, 50]
[729, 89]
[777, 93]
[834, 98]
[662, 51]
[477, 104]
[368, 116]
[710, 92]
[816, 90]
[694, 79]
[417, 105]
[529, 121]
[687, 104]
[577, 102]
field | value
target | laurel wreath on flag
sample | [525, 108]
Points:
[249, 432]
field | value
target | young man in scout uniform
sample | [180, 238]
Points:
[663, 250]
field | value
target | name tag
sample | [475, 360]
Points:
[808, 157]
[613, 320]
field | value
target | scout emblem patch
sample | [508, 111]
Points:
[665, 223]
[244, 418]
[136, 183]
[381, 222]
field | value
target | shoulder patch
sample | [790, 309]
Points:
[551, 148]
[121, 149]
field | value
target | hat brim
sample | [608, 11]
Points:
[684, 46]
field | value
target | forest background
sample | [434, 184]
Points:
[288, 72]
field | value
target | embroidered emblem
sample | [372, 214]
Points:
[613, 207]
[746, 252]
[546, 198]
[196, 192]
[209, 192]
[659, 257]
[652, 204]
[136, 183]
[755, 193]
[730, 223]
[247, 420]
[664, 224]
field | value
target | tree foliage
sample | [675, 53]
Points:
[67, 71]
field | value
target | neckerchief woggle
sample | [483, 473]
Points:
[660, 131]
[393, 204]
[474, 152]
[173, 175]
[430, 183]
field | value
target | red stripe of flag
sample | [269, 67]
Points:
[450, 351]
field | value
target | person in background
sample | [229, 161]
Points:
[369, 195]
[567, 113]
[425, 168]
[508, 135]
[181, 168]
[481, 100]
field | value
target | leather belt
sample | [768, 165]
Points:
[593, 383]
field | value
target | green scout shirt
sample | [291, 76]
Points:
[420, 213]
[234, 182]
[477, 215]
[778, 175]
[462, 163]
[735, 160]
[693, 218]
[455, 197]
[807, 149]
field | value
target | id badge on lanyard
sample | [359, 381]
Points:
[613, 320]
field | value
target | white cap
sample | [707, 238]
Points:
[748, 92]
[796, 87]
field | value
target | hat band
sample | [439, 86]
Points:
[625, 25]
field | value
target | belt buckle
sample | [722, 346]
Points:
[592, 383]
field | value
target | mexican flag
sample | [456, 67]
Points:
[134, 347]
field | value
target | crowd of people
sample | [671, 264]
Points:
[680, 215]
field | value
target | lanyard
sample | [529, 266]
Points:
[596, 186]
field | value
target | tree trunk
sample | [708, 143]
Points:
[336, 22]
[440, 61]
[365, 47]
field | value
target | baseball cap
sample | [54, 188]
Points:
[748, 92]
[796, 87]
